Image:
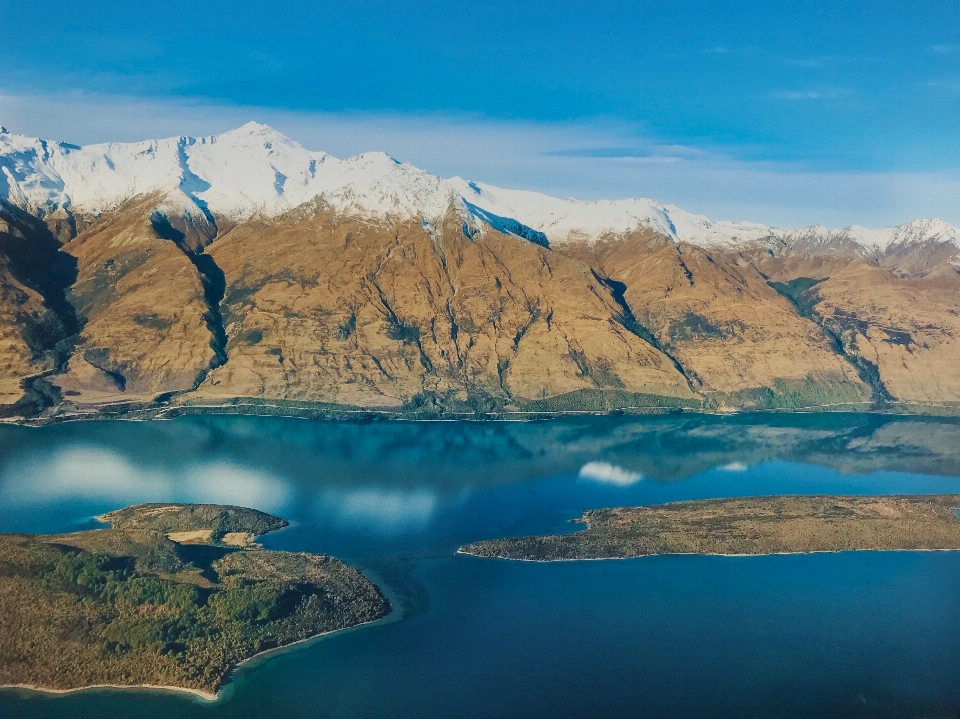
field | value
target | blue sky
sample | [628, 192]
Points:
[783, 112]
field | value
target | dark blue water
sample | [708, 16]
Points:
[846, 635]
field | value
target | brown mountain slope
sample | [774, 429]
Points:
[908, 329]
[143, 307]
[34, 317]
[21, 307]
[895, 314]
[745, 344]
[319, 306]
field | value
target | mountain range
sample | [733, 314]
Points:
[243, 269]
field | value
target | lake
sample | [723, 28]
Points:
[841, 635]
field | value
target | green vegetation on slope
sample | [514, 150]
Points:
[798, 395]
[131, 607]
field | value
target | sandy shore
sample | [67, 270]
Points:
[200, 694]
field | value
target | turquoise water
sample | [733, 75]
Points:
[847, 635]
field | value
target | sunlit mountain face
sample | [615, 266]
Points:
[243, 267]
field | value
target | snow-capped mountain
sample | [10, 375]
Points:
[212, 270]
[255, 170]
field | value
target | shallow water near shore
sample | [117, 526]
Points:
[866, 634]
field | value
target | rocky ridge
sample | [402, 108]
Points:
[242, 268]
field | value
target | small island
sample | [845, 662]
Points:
[747, 526]
[170, 596]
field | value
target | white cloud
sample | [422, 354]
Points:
[589, 159]
[607, 473]
[80, 473]
[734, 467]
[91, 473]
[812, 63]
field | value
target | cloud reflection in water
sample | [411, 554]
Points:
[389, 511]
[607, 473]
[95, 474]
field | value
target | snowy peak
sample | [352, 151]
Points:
[922, 231]
[914, 232]
[256, 170]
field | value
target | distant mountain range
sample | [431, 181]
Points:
[244, 269]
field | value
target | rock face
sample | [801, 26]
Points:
[35, 318]
[740, 341]
[374, 314]
[174, 272]
[143, 308]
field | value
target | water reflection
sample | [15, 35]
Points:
[392, 509]
[85, 472]
[398, 478]
[680, 636]
[607, 473]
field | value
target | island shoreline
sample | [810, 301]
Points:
[159, 519]
[206, 697]
[696, 554]
[765, 525]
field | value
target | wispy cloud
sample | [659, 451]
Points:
[948, 85]
[604, 152]
[730, 50]
[811, 63]
[652, 151]
[811, 94]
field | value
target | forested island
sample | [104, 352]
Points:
[747, 526]
[172, 595]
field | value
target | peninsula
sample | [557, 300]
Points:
[747, 526]
[172, 596]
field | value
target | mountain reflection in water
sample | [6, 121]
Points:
[394, 476]
[867, 634]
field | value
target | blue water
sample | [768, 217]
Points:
[845, 635]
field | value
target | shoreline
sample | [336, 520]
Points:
[275, 651]
[201, 694]
[36, 689]
[147, 411]
[695, 554]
